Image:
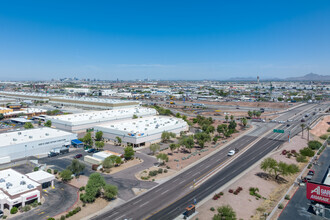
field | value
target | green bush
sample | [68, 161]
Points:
[153, 173]
[287, 197]
[160, 170]
[324, 137]
[301, 158]
[280, 206]
[82, 188]
[55, 171]
[62, 217]
[36, 169]
[314, 145]
[307, 152]
[4, 217]
[50, 218]
[13, 210]
[165, 170]
[39, 203]
[309, 166]
[49, 171]
[212, 209]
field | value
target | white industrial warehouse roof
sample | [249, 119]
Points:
[143, 126]
[40, 176]
[14, 182]
[99, 116]
[27, 94]
[88, 99]
[18, 137]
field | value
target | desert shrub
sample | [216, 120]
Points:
[309, 166]
[160, 170]
[36, 169]
[293, 151]
[301, 159]
[287, 197]
[82, 188]
[26, 208]
[62, 217]
[49, 171]
[153, 173]
[4, 217]
[230, 191]
[280, 206]
[284, 152]
[314, 145]
[165, 170]
[221, 193]
[324, 136]
[13, 210]
[307, 152]
[212, 209]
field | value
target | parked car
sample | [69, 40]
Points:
[77, 156]
[302, 120]
[1, 213]
[92, 150]
[52, 154]
[231, 153]
[307, 178]
[311, 172]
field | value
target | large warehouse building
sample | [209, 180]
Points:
[32, 142]
[82, 121]
[142, 131]
[87, 102]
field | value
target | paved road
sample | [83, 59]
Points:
[177, 192]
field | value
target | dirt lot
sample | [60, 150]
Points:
[321, 127]
[81, 181]
[125, 165]
[270, 191]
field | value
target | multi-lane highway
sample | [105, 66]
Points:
[169, 199]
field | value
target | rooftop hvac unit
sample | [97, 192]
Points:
[22, 182]
[19, 133]
[30, 137]
[9, 184]
[2, 180]
[14, 139]
[30, 186]
[47, 134]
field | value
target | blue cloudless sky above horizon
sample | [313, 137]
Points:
[163, 39]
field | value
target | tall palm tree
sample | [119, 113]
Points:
[308, 129]
[302, 129]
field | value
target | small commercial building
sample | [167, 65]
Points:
[44, 178]
[98, 157]
[17, 189]
[142, 131]
[83, 121]
[32, 142]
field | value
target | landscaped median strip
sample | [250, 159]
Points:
[224, 164]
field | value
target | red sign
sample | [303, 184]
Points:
[318, 192]
[31, 197]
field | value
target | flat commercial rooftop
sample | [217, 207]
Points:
[15, 183]
[144, 126]
[18, 137]
[26, 94]
[101, 116]
[97, 100]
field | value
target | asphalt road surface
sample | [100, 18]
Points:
[169, 199]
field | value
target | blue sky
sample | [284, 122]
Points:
[163, 39]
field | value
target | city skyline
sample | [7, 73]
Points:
[168, 41]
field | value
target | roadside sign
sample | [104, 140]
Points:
[318, 192]
[278, 131]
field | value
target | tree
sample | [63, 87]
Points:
[165, 136]
[232, 125]
[1, 116]
[221, 129]
[225, 213]
[76, 167]
[118, 140]
[273, 167]
[302, 129]
[163, 157]
[93, 188]
[226, 118]
[48, 123]
[258, 113]
[202, 138]
[178, 115]
[28, 125]
[232, 117]
[98, 136]
[244, 121]
[154, 148]
[174, 146]
[66, 175]
[110, 191]
[99, 144]
[107, 163]
[87, 139]
[135, 117]
[250, 114]
[129, 152]
[210, 129]
[187, 142]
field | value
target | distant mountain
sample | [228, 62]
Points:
[310, 77]
[243, 79]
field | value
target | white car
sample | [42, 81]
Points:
[231, 153]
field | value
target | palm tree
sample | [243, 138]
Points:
[302, 129]
[308, 129]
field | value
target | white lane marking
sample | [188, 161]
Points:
[182, 181]
[164, 192]
[136, 201]
[175, 180]
[158, 189]
[196, 174]
[144, 203]
[120, 217]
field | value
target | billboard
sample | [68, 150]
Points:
[318, 192]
